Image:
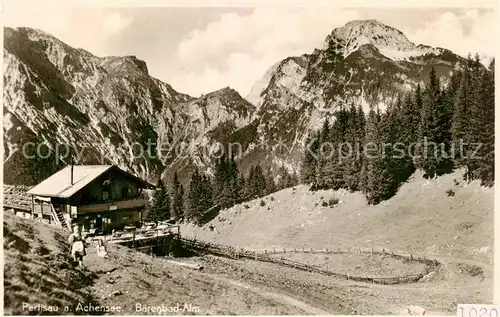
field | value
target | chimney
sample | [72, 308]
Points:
[71, 170]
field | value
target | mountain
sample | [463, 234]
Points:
[57, 94]
[364, 62]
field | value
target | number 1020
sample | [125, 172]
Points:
[464, 310]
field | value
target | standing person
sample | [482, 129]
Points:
[77, 244]
[101, 249]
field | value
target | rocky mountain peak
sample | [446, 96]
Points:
[129, 64]
[357, 33]
[389, 41]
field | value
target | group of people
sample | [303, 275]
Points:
[78, 246]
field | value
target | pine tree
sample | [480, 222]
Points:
[483, 125]
[461, 129]
[258, 182]
[249, 181]
[434, 131]
[321, 158]
[207, 198]
[411, 116]
[178, 198]
[283, 178]
[309, 161]
[355, 137]
[193, 200]
[409, 120]
[378, 181]
[393, 155]
[199, 198]
[227, 192]
[293, 180]
[242, 188]
[160, 207]
[338, 155]
[270, 183]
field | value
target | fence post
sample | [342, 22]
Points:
[274, 250]
[348, 250]
[284, 251]
[265, 251]
[294, 250]
[383, 251]
[348, 276]
[303, 249]
[411, 257]
[359, 249]
[255, 256]
[312, 250]
[326, 250]
[372, 250]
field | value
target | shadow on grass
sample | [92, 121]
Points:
[39, 272]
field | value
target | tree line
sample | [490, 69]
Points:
[436, 128]
[226, 188]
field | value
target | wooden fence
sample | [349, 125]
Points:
[266, 256]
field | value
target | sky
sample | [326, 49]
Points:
[198, 50]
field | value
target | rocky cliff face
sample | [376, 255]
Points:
[111, 107]
[364, 62]
[108, 108]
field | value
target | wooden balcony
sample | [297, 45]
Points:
[114, 205]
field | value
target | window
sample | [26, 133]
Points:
[105, 189]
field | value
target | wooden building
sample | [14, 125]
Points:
[102, 197]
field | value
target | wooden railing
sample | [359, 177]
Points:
[114, 205]
[55, 216]
[235, 253]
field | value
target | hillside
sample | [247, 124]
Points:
[38, 271]
[421, 218]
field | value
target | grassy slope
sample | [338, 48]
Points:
[38, 271]
[420, 219]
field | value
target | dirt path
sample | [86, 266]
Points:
[310, 310]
